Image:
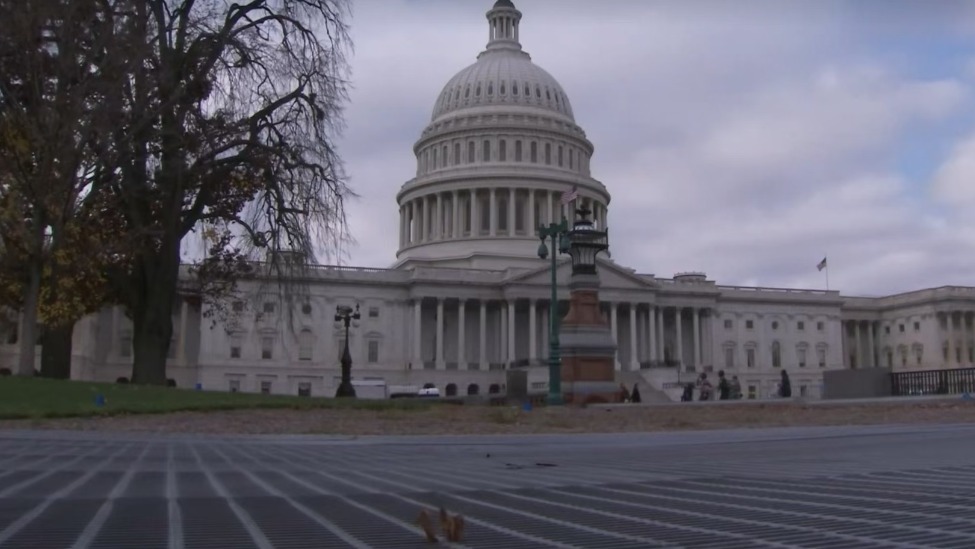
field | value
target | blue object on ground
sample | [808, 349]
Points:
[527, 406]
[199, 386]
[99, 400]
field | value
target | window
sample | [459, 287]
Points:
[238, 306]
[887, 330]
[917, 326]
[560, 156]
[727, 324]
[306, 308]
[776, 355]
[432, 165]
[456, 154]
[124, 345]
[750, 357]
[502, 150]
[265, 387]
[749, 324]
[890, 359]
[752, 392]
[548, 153]
[901, 328]
[373, 312]
[470, 152]
[490, 88]
[443, 157]
[267, 348]
[803, 390]
[534, 152]
[304, 389]
[233, 385]
[518, 150]
[486, 151]
[801, 355]
[800, 325]
[269, 307]
[820, 325]
[306, 344]
[373, 352]
[236, 343]
[729, 357]
[572, 158]
[514, 87]
[821, 357]
[775, 324]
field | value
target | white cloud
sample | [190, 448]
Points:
[745, 141]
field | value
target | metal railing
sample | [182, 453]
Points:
[933, 382]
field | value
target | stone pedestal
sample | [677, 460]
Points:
[588, 349]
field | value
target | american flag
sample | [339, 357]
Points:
[569, 196]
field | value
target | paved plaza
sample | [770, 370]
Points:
[857, 487]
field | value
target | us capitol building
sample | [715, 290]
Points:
[467, 297]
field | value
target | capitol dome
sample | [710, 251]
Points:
[501, 152]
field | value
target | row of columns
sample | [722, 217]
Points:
[647, 337]
[457, 214]
[959, 328]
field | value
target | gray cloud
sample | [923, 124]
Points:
[745, 141]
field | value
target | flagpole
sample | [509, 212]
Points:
[827, 271]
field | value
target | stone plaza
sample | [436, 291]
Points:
[829, 487]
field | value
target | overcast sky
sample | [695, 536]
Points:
[745, 139]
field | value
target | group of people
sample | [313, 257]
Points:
[727, 390]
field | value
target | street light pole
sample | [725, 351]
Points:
[346, 315]
[558, 233]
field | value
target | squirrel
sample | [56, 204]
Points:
[452, 527]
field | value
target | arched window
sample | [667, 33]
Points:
[451, 389]
[534, 152]
[560, 156]
[433, 165]
[456, 154]
[514, 88]
[518, 150]
[502, 150]
[473, 389]
[548, 153]
[470, 152]
[443, 159]
[572, 158]
[494, 389]
[486, 151]
[776, 355]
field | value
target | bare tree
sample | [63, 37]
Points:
[230, 128]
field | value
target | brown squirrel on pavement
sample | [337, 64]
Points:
[452, 527]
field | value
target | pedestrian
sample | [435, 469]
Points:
[704, 386]
[785, 386]
[735, 388]
[624, 394]
[724, 388]
[688, 394]
[635, 394]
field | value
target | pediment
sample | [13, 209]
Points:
[611, 277]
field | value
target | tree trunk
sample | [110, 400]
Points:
[152, 316]
[56, 351]
[28, 331]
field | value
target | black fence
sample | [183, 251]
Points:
[933, 382]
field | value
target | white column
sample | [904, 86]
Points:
[856, 344]
[461, 333]
[455, 225]
[482, 344]
[512, 195]
[652, 333]
[475, 215]
[426, 219]
[440, 359]
[615, 328]
[634, 359]
[532, 223]
[438, 218]
[417, 329]
[503, 332]
[660, 333]
[422, 226]
[494, 213]
[952, 340]
[511, 331]
[183, 310]
[696, 357]
[548, 212]
[679, 351]
[871, 362]
[532, 329]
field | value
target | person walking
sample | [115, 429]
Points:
[785, 386]
[724, 388]
[735, 388]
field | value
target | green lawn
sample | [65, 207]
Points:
[26, 398]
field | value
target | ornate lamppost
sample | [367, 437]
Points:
[558, 232]
[585, 243]
[346, 315]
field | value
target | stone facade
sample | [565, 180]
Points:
[467, 298]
